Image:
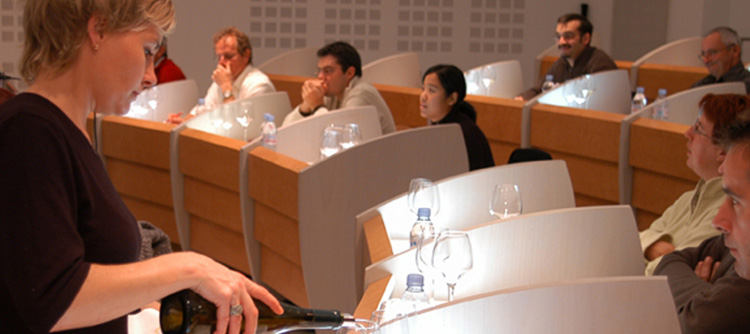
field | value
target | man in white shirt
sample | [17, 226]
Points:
[339, 85]
[235, 77]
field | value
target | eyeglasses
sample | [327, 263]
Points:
[712, 52]
[697, 129]
[568, 35]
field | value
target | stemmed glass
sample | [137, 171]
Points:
[331, 142]
[488, 78]
[452, 257]
[506, 201]
[423, 194]
[584, 87]
[215, 117]
[227, 119]
[242, 115]
[350, 136]
[152, 98]
[570, 92]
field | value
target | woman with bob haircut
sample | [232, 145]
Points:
[442, 102]
[69, 244]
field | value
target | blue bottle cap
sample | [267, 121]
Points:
[415, 280]
[268, 117]
[423, 212]
[639, 89]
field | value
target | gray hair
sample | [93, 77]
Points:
[728, 36]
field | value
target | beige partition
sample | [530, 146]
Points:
[660, 175]
[588, 141]
[136, 155]
[615, 305]
[290, 84]
[304, 216]
[674, 78]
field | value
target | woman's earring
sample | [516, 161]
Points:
[96, 47]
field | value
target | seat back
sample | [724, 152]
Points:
[397, 70]
[611, 92]
[681, 52]
[299, 62]
[586, 306]
[503, 77]
[549, 246]
[465, 198]
[169, 98]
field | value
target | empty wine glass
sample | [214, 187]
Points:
[452, 257]
[473, 85]
[215, 117]
[152, 99]
[588, 86]
[227, 119]
[242, 115]
[423, 194]
[506, 201]
[570, 92]
[359, 326]
[331, 142]
[350, 136]
[488, 78]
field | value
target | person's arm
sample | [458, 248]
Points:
[110, 291]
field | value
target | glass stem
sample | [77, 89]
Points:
[451, 288]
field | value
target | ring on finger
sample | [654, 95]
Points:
[235, 310]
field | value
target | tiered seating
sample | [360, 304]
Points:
[504, 79]
[396, 70]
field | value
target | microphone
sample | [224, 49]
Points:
[3, 76]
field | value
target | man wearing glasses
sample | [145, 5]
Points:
[577, 56]
[687, 222]
[338, 86]
[721, 51]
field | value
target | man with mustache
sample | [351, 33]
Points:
[711, 283]
[577, 57]
[721, 51]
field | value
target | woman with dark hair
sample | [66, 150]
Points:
[442, 102]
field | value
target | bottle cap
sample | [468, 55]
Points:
[639, 89]
[549, 77]
[663, 91]
[423, 212]
[415, 280]
[268, 117]
[201, 101]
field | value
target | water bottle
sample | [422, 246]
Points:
[548, 83]
[187, 312]
[415, 298]
[639, 100]
[268, 132]
[422, 228]
[661, 106]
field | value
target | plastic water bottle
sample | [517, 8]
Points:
[548, 83]
[661, 106]
[268, 132]
[639, 100]
[422, 228]
[415, 298]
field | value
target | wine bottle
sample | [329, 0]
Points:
[187, 312]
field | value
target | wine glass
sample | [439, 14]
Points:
[215, 117]
[570, 91]
[242, 115]
[452, 257]
[506, 201]
[488, 78]
[350, 136]
[152, 99]
[587, 89]
[423, 194]
[331, 142]
[359, 326]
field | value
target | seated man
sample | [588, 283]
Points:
[339, 85]
[577, 57]
[164, 68]
[234, 76]
[711, 283]
[687, 222]
[721, 51]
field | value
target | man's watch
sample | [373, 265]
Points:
[228, 95]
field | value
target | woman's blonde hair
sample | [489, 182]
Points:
[55, 30]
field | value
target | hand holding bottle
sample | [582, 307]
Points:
[226, 288]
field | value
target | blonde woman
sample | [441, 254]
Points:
[68, 242]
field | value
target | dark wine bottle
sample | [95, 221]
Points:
[187, 312]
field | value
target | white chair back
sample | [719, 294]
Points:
[683, 109]
[465, 198]
[549, 246]
[615, 305]
[611, 92]
[276, 103]
[503, 78]
[681, 52]
[397, 70]
[171, 98]
[299, 62]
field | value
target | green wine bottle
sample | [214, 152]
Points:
[187, 312]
